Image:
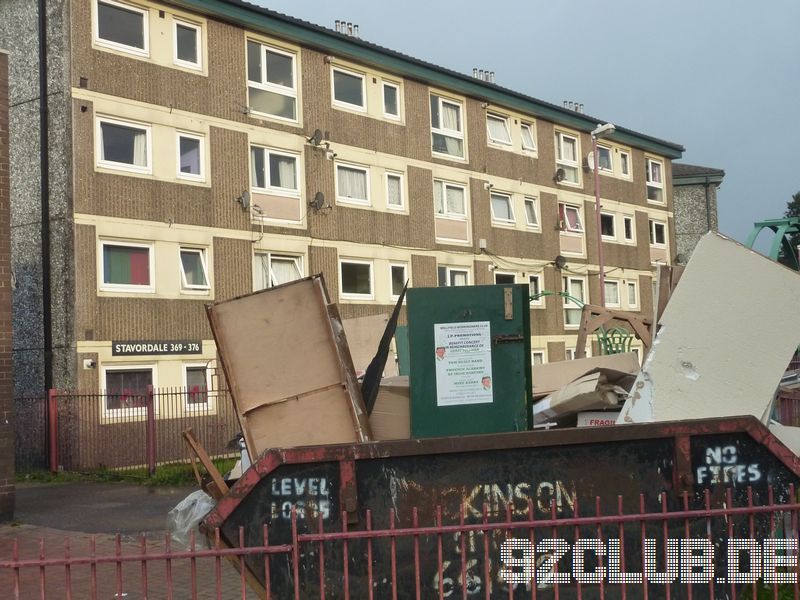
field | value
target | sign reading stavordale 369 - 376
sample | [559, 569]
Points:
[137, 348]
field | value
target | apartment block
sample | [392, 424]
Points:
[203, 149]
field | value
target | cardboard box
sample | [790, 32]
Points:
[596, 418]
[391, 417]
[550, 377]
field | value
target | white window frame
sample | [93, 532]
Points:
[651, 183]
[542, 353]
[630, 219]
[353, 296]
[273, 87]
[386, 114]
[126, 287]
[635, 285]
[569, 304]
[185, 286]
[269, 188]
[197, 66]
[449, 132]
[297, 258]
[204, 406]
[126, 412]
[504, 120]
[202, 152]
[345, 199]
[561, 136]
[511, 274]
[618, 303]
[570, 352]
[445, 213]
[343, 103]
[653, 236]
[393, 265]
[116, 45]
[449, 271]
[510, 200]
[609, 149]
[623, 163]
[564, 224]
[612, 237]
[402, 205]
[534, 201]
[538, 277]
[532, 130]
[118, 166]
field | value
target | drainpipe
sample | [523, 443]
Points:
[708, 205]
[44, 170]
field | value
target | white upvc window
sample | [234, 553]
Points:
[395, 198]
[391, 100]
[122, 26]
[126, 266]
[538, 357]
[629, 232]
[449, 200]
[398, 275]
[576, 288]
[349, 89]
[452, 276]
[352, 184]
[570, 218]
[194, 269]
[447, 127]
[534, 289]
[567, 156]
[625, 163]
[356, 280]
[655, 182]
[190, 156]
[501, 278]
[271, 81]
[658, 233]
[125, 388]
[608, 226]
[528, 137]
[197, 384]
[571, 352]
[188, 45]
[612, 293]
[123, 145]
[497, 129]
[604, 159]
[274, 171]
[531, 212]
[502, 208]
[632, 289]
[270, 269]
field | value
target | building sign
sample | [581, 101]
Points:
[463, 355]
[138, 348]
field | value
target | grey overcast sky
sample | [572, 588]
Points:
[720, 77]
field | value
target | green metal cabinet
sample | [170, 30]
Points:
[470, 360]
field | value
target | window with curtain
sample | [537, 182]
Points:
[122, 26]
[352, 184]
[394, 190]
[196, 385]
[567, 156]
[612, 293]
[270, 269]
[126, 266]
[273, 170]
[633, 295]
[449, 199]
[572, 309]
[124, 145]
[271, 84]
[194, 275]
[446, 127]
[655, 185]
[190, 157]
[570, 217]
[534, 289]
[501, 207]
[528, 139]
[604, 158]
[451, 276]
[497, 129]
[127, 387]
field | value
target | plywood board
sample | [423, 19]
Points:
[363, 337]
[285, 356]
[727, 334]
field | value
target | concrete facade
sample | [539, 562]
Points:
[695, 205]
[153, 207]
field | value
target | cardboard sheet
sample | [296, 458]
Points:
[549, 377]
[391, 417]
[596, 390]
[363, 337]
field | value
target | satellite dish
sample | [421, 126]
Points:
[560, 175]
[317, 138]
[244, 200]
[590, 161]
[560, 262]
[318, 202]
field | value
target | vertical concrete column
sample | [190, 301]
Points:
[6, 370]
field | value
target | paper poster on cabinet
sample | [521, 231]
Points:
[463, 355]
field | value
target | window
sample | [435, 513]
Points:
[497, 129]
[604, 159]
[571, 353]
[534, 289]
[567, 156]
[348, 89]
[528, 139]
[127, 266]
[352, 184]
[355, 279]
[574, 287]
[195, 379]
[501, 207]
[447, 130]
[658, 233]
[187, 45]
[270, 269]
[628, 226]
[394, 190]
[274, 171]
[633, 294]
[190, 156]
[271, 81]
[127, 386]
[123, 145]
[398, 275]
[451, 276]
[612, 293]
[655, 185]
[537, 357]
[122, 26]
[194, 272]
[391, 100]
[570, 218]
[607, 226]
[531, 214]
[504, 278]
[449, 200]
[625, 163]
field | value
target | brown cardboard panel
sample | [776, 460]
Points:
[549, 377]
[363, 336]
[391, 415]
